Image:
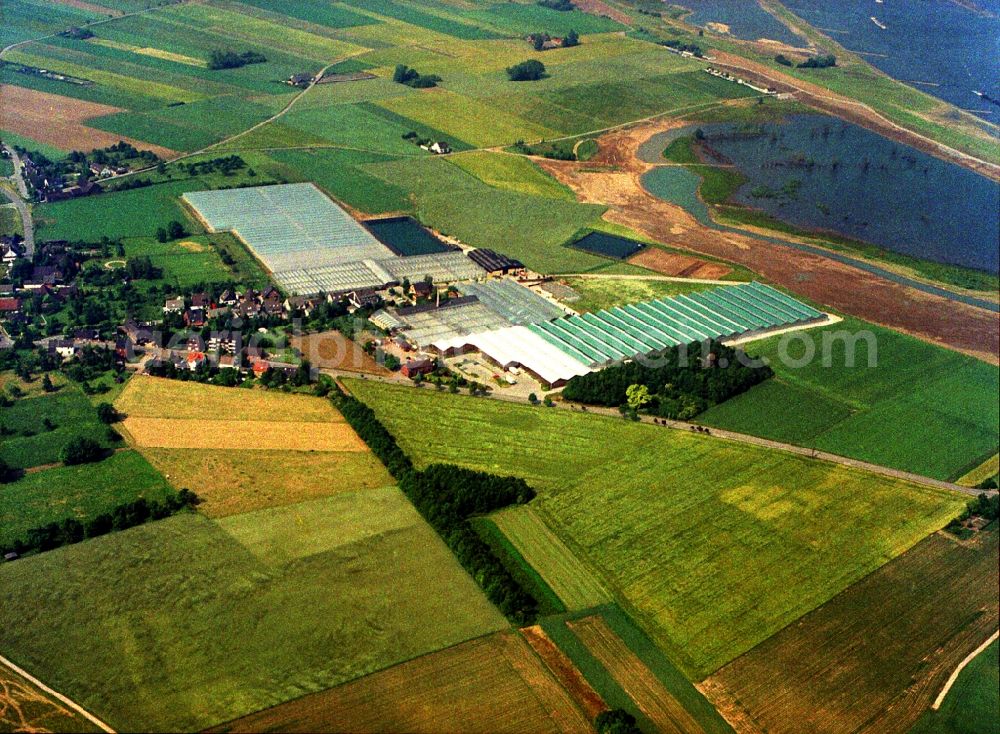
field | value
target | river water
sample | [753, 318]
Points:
[817, 172]
[938, 46]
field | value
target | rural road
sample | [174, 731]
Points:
[20, 204]
[712, 432]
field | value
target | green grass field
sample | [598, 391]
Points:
[921, 408]
[575, 585]
[31, 442]
[530, 228]
[713, 546]
[512, 173]
[973, 703]
[191, 622]
[186, 261]
[598, 293]
[81, 492]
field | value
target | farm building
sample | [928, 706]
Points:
[494, 263]
[582, 343]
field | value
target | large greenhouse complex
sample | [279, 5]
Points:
[587, 342]
[313, 246]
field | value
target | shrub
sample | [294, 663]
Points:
[81, 450]
[526, 71]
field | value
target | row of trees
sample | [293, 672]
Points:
[538, 40]
[448, 496]
[681, 382]
[127, 515]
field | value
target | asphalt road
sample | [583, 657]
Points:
[19, 202]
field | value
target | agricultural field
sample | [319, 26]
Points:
[873, 658]
[600, 293]
[920, 408]
[35, 429]
[230, 482]
[251, 456]
[532, 229]
[746, 540]
[333, 350]
[627, 670]
[495, 683]
[24, 707]
[973, 703]
[81, 492]
[512, 173]
[220, 618]
[651, 697]
[576, 586]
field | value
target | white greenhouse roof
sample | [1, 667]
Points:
[519, 345]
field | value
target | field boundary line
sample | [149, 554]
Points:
[961, 666]
[55, 694]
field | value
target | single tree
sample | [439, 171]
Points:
[571, 39]
[527, 71]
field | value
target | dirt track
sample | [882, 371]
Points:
[845, 288]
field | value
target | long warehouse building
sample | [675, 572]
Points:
[590, 341]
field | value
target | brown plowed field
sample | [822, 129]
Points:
[492, 684]
[679, 266]
[597, 7]
[333, 350]
[874, 657]
[635, 677]
[59, 121]
[565, 672]
[845, 288]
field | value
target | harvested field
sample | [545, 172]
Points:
[873, 658]
[494, 684]
[331, 350]
[635, 678]
[576, 586]
[679, 266]
[234, 482]
[185, 433]
[26, 708]
[58, 121]
[156, 397]
[589, 701]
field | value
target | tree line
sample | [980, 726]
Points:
[122, 517]
[685, 381]
[447, 496]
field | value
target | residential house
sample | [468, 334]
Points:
[421, 289]
[9, 305]
[194, 360]
[140, 333]
[194, 318]
[301, 304]
[174, 305]
[65, 348]
[201, 300]
[414, 367]
[364, 299]
[229, 297]
[225, 341]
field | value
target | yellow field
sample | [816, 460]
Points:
[154, 397]
[234, 482]
[981, 473]
[147, 51]
[244, 450]
[193, 433]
